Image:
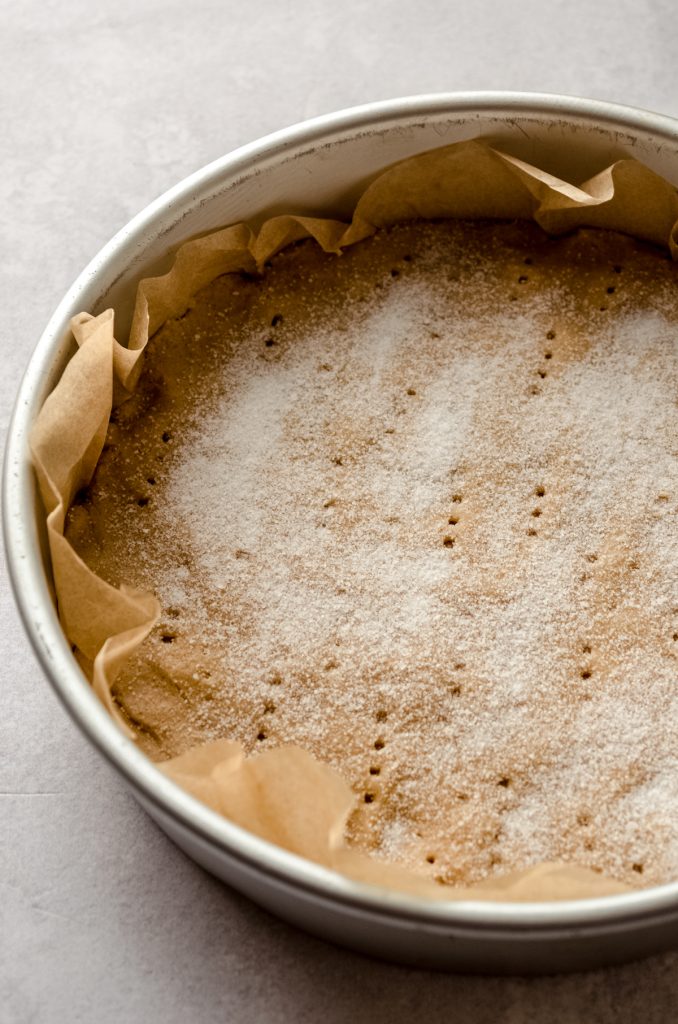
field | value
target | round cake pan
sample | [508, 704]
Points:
[320, 167]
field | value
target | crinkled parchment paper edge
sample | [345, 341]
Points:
[285, 795]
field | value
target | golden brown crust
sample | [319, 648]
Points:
[438, 572]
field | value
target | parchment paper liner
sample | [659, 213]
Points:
[285, 795]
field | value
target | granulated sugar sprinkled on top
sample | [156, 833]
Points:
[422, 521]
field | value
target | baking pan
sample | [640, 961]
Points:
[320, 167]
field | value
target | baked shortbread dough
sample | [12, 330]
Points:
[414, 509]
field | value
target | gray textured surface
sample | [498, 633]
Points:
[104, 105]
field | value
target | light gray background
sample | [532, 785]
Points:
[105, 105]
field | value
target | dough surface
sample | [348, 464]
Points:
[413, 508]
